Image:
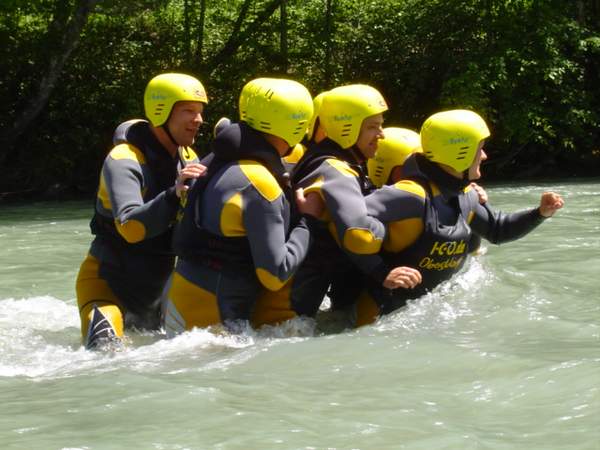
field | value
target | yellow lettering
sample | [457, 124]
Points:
[436, 248]
[431, 264]
[448, 248]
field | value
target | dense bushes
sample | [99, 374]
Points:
[531, 67]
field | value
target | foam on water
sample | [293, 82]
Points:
[40, 339]
[503, 356]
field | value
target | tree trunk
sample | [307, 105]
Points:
[68, 43]
[328, 42]
[283, 38]
[239, 36]
[200, 45]
[186, 32]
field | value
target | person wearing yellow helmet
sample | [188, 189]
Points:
[351, 118]
[237, 235]
[314, 134]
[121, 279]
[434, 216]
[398, 144]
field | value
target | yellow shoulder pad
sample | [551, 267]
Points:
[342, 167]
[295, 154]
[261, 179]
[410, 186]
[127, 151]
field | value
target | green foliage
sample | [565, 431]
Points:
[531, 67]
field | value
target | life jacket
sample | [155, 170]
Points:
[325, 250]
[438, 253]
[316, 154]
[137, 133]
[191, 241]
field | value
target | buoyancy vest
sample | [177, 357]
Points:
[438, 253]
[325, 251]
[164, 169]
[316, 154]
[191, 241]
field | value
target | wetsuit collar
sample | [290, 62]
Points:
[239, 141]
[162, 164]
[449, 186]
[357, 154]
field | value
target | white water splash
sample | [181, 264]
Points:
[40, 339]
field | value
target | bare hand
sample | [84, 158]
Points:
[483, 197]
[312, 204]
[190, 171]
[550, 203]
[402, 277]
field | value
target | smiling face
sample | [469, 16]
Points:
[184, 121]
[475, 168]
[371, 130]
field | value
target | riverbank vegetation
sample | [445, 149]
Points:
[73, 69]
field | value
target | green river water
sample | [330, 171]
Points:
[505, 356]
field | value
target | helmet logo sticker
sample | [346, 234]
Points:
[342, 118]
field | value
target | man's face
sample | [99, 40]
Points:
[371, 131]
[184, 122]
[475, 168]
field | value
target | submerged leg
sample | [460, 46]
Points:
[101, 332]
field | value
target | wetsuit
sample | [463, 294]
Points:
[235, 236]
[291, 159]
[130, 258]
[434, 221]
[337, 175]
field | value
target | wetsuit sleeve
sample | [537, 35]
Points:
[403, 200]
[357, 232]
[389, 204]
[276, 256]
[498, 227]
[124, 183]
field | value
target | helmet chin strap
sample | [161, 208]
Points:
[165, 127]
[358, 155]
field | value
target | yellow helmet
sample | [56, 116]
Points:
[164, 90]
[392, 151]
[452, 137]
[344, 109]
[280, 107]
[317, 102]
[248, 90]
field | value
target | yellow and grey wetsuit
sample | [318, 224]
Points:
[346, 228]
[434, 221]
[235, 236]
[130, 259]
[293, 157]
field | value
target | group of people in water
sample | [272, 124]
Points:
[299, 199]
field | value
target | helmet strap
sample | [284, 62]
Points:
[357, 154]
[165, 127]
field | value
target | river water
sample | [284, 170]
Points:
[505, 356]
